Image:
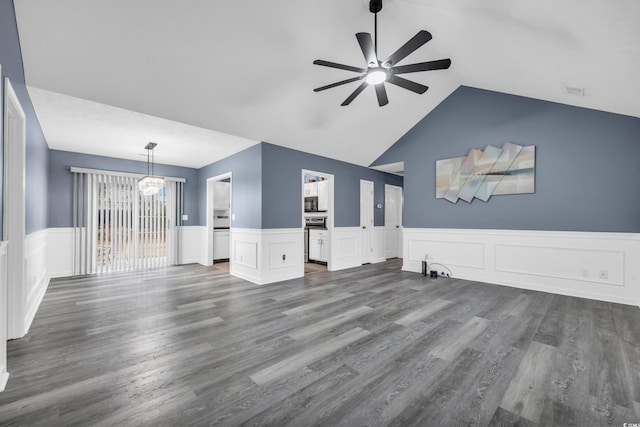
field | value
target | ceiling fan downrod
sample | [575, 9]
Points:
[375, 6]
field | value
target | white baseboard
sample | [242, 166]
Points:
[567, 263]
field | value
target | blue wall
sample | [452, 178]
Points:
[267, 187]
[282, 187]
[587, 164]
[36, 150]
[246, 185]
[60, 181]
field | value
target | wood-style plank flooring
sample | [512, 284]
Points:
[192, 345]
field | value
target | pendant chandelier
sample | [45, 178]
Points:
[150, 184]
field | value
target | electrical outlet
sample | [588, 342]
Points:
[604, 274]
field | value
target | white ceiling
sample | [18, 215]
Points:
[244, 68]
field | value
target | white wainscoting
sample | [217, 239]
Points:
[283, 254]
[267, 256]
[60, 248]
[60, 251]
[345, 248]
[602, 266]
[378, 245]
[194, 245]
[37, 274]
[4, 375]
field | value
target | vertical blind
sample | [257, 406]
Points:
[116, 228]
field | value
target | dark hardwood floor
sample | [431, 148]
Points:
[374, 345]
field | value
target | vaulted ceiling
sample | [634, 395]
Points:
[207, 78]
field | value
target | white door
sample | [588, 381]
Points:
[366, 220]
[393, 221]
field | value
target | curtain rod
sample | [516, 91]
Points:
[115, 173]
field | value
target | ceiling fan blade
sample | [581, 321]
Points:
[368, 50]
[406, 49]
[407, 84]
[342, 82]
[354, 94]
[440, 64]
[381, 92]
[339, 66]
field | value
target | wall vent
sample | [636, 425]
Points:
[574, 91]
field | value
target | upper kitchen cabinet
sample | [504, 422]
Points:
[323, 195]
[310, 189]
[221, 195]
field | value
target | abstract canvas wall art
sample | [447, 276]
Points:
[482, 174]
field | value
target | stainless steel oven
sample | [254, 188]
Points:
[312, 222]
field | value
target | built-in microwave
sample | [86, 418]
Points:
[311, 204]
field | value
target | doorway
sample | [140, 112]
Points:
[219, 218]
[393, 221]
[317, 220]
[366, 221]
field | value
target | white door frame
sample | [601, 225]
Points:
[210, 196]
[366, 221]
[399, 228]
[4, 375]
[14, 211]
[330, 178]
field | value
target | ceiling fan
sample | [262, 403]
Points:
[378, 72]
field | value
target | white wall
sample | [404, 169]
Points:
[567, 263]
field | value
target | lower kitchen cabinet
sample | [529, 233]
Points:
[319, 245]
[221, 244]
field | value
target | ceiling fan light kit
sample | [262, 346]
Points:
[150, 184]
[378, 72]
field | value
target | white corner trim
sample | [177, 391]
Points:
[4, 377]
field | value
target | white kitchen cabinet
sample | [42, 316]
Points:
[221, 195]
[323, 195]
[319, 245]
[221, 244]
[310, 189]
